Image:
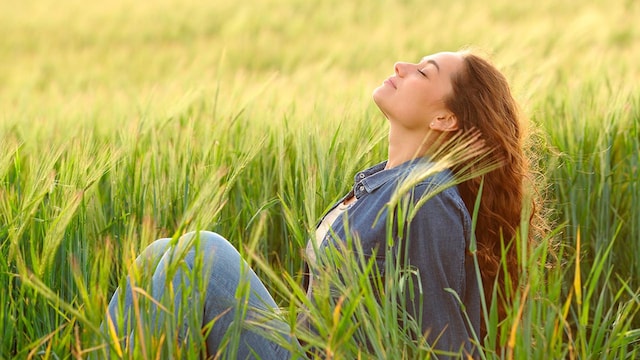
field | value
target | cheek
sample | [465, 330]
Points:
[416, 111]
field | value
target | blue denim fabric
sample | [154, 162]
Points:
[224, 270]
[435, 242]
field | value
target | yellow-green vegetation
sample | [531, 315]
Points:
[122, 122]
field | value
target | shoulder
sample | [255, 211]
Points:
[438, 196]
[446, 192]
[442, 185]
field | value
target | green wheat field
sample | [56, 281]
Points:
[126, 121]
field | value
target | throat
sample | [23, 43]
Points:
[406, 145]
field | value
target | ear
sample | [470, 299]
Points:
[445, 122]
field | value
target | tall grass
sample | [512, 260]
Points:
[125, 122]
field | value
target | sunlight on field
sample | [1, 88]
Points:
[124, 121]
[116, 59]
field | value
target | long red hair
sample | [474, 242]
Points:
[482, 99]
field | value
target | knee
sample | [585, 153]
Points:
[157, 247]
[209, 243]
[154, 251]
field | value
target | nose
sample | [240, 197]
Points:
[400, 68]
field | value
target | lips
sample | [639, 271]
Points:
[390, 82]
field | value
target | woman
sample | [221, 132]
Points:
[427, 103]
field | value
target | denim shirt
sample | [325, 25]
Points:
[436, 242]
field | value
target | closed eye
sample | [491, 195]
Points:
[423, 73]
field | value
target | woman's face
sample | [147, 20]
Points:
[414, 96]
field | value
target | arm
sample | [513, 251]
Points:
[436, 245]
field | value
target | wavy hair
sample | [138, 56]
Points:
[482, 99]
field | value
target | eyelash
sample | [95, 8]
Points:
[423, 73]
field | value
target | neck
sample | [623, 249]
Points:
[405, 145]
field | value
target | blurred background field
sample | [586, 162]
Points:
[122, 122]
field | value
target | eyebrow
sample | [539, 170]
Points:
[434, 63]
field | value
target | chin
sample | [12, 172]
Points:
[378, 96]
[380, 105]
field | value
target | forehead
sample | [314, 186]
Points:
[445, 62]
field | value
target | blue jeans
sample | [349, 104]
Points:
[222, 271]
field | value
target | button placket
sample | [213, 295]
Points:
[359, 189]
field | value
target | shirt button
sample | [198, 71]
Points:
[361, 176]
[361, 188]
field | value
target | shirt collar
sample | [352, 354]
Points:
[374, 177]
